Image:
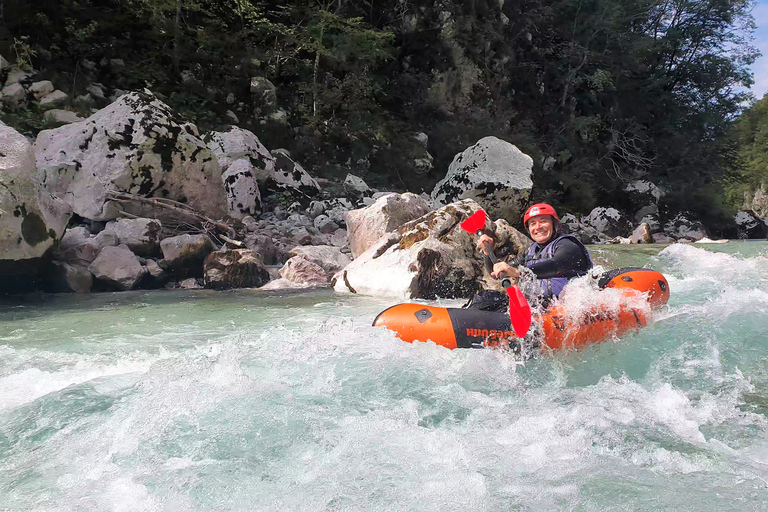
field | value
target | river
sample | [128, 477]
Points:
[252, 400]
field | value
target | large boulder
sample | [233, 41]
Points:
[243, 196]
[276, 173]
[329, 258]
[493, 172]
[608, 222]
[118, 268]
[135, 145]
[142, 236]
[291, 177]
[301, 271]
[31, 219]
[425, 258]
[366, 225]
[185, 251]
[750, 225]
[683, 227]
[68, 278]
[234, 268]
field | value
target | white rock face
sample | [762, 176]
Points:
[118, 267]
[425, 258]
[366, 226]
[135, 145]
[242, 189]
[493, 172]
[291, 177]
[683, 228]
[608, 222]
[31, 220]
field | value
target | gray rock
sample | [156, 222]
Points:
[55, 99]
[315, 209]
[494, 173]
[190, 284]
[116, 65]
[302, 271]
[14, 95]
[186, 250]
[367, 225]
[97, 91]
[330, 259]
[232, 117]
[642, 235]
[142, 236]
[61, 116]
[608, 222]
[118, 267]
[356, 187]
[17, 76]
[683, 227]
[71, 278]
[264, 246]
[242, 189]
[750, 225]
[30, 219]
[107, 238]
[84, 160]
[263, 92]
[300, 236]
[155, 270]
[41, 89]
[234, 268]
[325, 225]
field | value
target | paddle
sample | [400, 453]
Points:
[519, 309]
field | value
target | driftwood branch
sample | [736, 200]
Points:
[172, 214]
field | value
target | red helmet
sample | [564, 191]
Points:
[539, 209]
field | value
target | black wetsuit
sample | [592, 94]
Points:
[569, 259]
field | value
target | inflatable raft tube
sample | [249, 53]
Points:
[471, 328]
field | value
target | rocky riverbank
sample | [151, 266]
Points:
[135, 197]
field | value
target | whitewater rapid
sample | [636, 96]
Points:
[247, 400]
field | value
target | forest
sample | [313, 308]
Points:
[598, 92]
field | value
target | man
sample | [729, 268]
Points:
[554, 259]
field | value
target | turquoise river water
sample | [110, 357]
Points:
[248, 400]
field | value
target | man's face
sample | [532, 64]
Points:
[541, 228]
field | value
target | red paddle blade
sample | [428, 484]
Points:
[519, 311]
[474, 222]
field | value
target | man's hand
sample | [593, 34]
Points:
[503, 269]
[485, 243]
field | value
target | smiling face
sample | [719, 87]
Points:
[541, 228]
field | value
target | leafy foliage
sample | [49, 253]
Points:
[610, 90]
